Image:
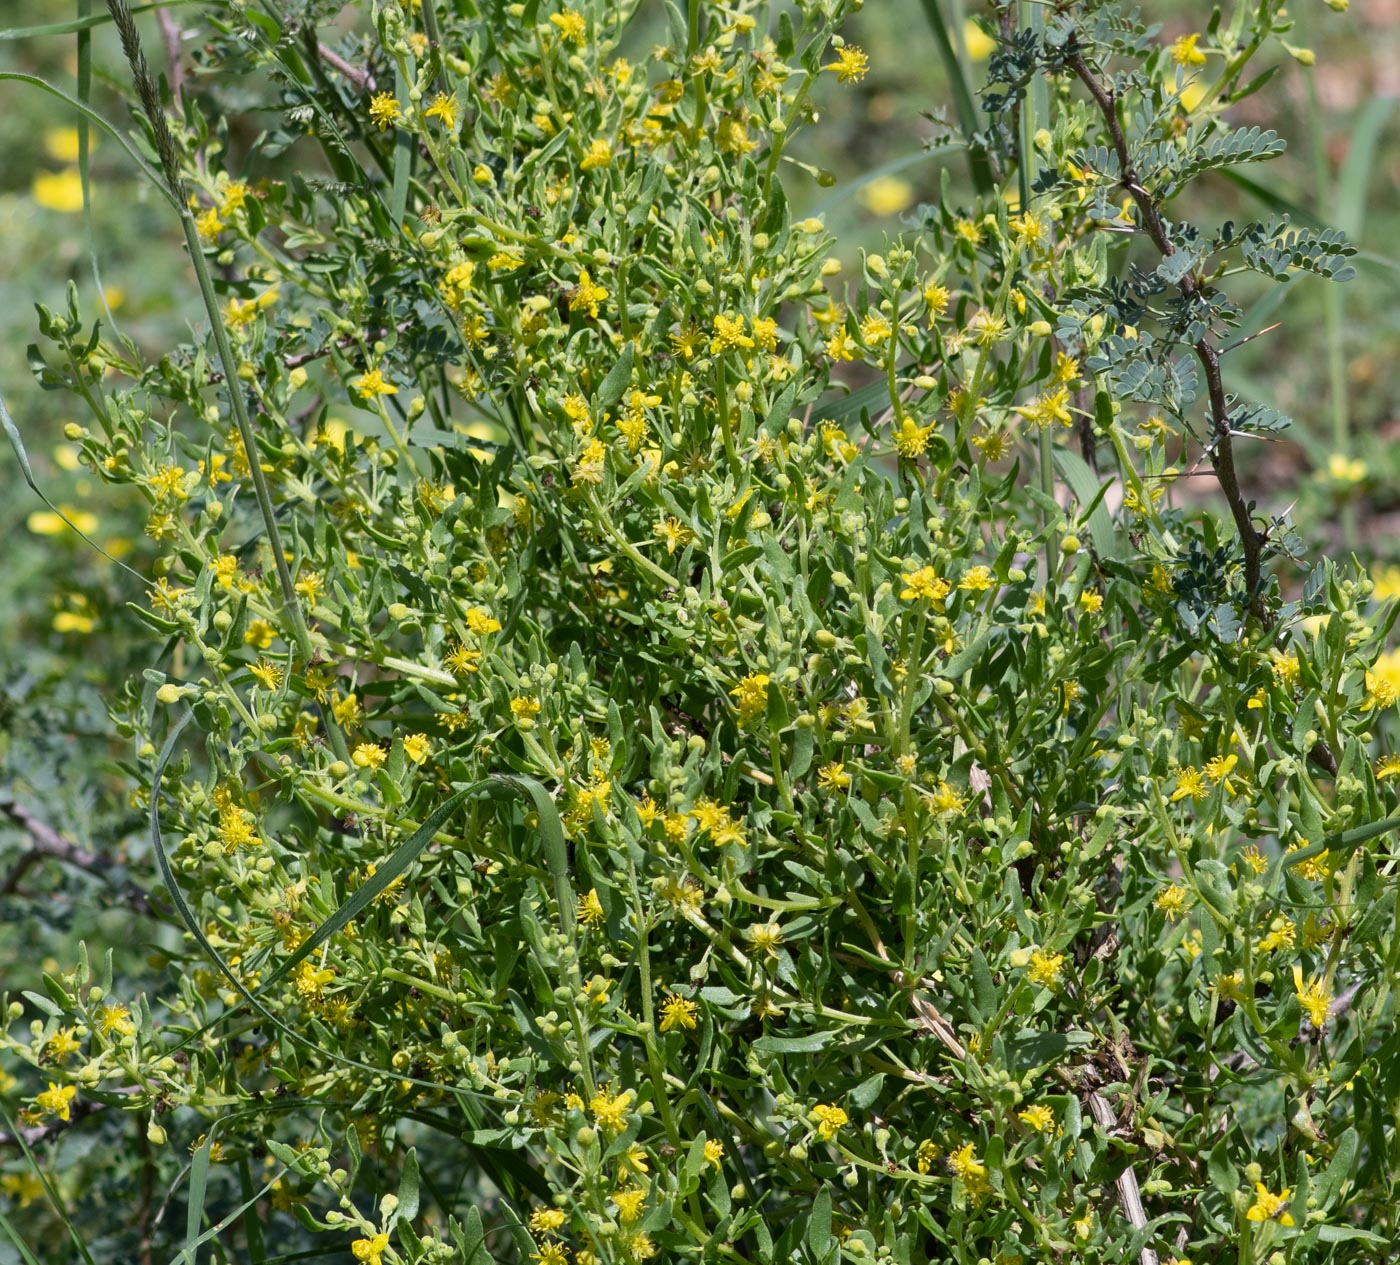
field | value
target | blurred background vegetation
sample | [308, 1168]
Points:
[67, 642]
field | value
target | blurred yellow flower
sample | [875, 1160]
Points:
[48, 523]
[61, 144]
[58, 190]
[886, 195]
[978, 43]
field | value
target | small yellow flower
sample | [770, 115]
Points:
[209, 225]
[1268, 1206]
[370, 1251]
[384, 110]
[599, 155]
[714, 1152]
[1314, 996]
[60, 191]
[729, 332]
[833, 777]
[629, 1203]
[830, 1120]
[678, 1012]
[1090, 603]
[1172, 901]
[1039, 1117]
[546, 1220]
[368, 755]
[115, 1018]
[572, 26]
[1219, 770]
[1387, 766]
[590, 909]
[751, 696]
[1046, 968]
[444, 108]
[1190, 781]
[551, 1253]
[977, 580]
[268, 674]
[851, 64]
[611, 1113]
[57, 1099]
[373, 383]
[417, 748]
[587, 295]
[1185, 53]
[924, 584]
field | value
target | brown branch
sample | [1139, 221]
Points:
[47, 842]
[361, 78]
[1222, 453]
[170, 35]
[1129, 1196]
[78, 1109]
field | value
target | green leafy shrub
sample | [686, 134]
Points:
[712, 757]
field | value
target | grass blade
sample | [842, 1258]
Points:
[1354, 181]
[49, 1189]
[83, 22]
[963, 101]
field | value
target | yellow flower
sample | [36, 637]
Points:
[714, 1152]
[546, 1220]
[1039, 1117]
[1282, 935]
[833, 777]
[946, 799]
[911, 439]
[590, 909]
[875, 329]
[977, 580]
[729, 332]
[830, 1120]
[58, 190]
[370, 1251]
[765, 937]
[368, 755]
[967, 1166]
[572, 26]
[924, 584]
[1185, 53]
[678, 1012]
[1049, 408]
[268, 674]
[1219, 769]
[599, 155]
[1314, 997]
[24, 1188]
[587, 295]
[1387, 766]
[1090, 602]
[371, 384]
[1046, 968]
[611, 1113]
[978, 43]
[115, 1018]
[850, 65]
[886, 195]
[417, 748]
[444, 108]
[481, 622]
[384, 110]
[751, 696]
[1267, 1206]
[524, 707]
[629, 1203]
[61, 1046]
[209, 225]
[1172, 901]
[1383, 682]
[57, 1099]
[551, 1254]
[61, 144]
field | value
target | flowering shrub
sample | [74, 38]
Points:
[658, 746]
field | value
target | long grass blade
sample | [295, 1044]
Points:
[963, 100]
[84, 22]
[55, 1201]
[1353, 184]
